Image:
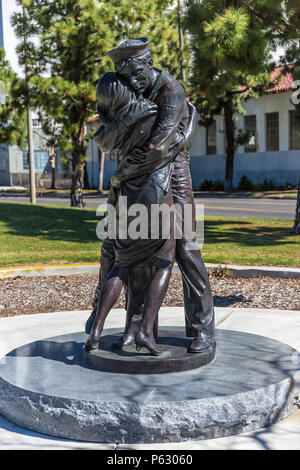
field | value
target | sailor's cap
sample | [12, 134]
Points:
[128, 49]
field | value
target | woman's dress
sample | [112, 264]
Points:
[156, 245]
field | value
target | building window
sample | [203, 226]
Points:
[294, 130]
[41, 161]
[36, 123]
[3, 159]
[272, 120]
[211, 139]
[250, 126]
[25, 161]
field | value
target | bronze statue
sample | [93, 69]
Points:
[144, 114]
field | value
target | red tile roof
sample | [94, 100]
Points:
[284, 81]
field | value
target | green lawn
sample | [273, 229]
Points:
[53, 234]
[47, 234]
[252, 241]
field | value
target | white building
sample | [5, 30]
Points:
[273, 151]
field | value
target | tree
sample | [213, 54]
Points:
[291, 58]
[296, 73]
[69, 57]
[232, 42]
[12, 110]
[296, 227]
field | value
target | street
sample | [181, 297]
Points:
[228, 207]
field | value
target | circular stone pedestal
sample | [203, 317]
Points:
[173, 358]
[46, 386]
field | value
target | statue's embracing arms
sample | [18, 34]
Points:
[166, 141]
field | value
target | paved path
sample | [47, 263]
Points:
[279, 325]
[228, 207]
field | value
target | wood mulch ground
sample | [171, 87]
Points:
[25, 295]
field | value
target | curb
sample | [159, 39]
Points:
[49, 270]
[93, 268]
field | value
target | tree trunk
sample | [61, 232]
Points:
[296, 228]
[86, 183]
[230, 151]
[181, 40]
[77, 186]
[101, 157]
[78, 168]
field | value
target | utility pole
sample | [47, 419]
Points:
[181, 39]
[53, 166]
[101, 157]
[29, 130]
[31, 157]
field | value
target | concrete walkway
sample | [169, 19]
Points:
[280, 325]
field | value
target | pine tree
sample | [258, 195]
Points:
[232, 42]
[69, 58]
[12, 110]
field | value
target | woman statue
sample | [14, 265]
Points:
[143, 264]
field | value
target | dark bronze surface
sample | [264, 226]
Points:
[173, 358]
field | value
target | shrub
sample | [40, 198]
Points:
[245, 184]
[218, 185]
[212, 185]
[267, 185]
[206, 185]
[287, 186]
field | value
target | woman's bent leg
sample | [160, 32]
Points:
[109, 295]
[138, 282]
[154, 298]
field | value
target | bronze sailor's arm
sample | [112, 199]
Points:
[191, 125]
[112, 132]
[157, 147]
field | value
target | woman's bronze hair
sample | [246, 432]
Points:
[113, 94]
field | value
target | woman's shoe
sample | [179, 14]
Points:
[128, 338]
[142, 341]
[91, 344]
